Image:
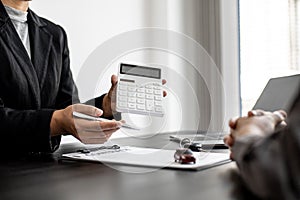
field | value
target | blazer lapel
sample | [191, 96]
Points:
[40, 43]
[13, 41]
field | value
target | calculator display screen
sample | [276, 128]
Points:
[136, 70]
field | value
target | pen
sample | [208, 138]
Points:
[88, 117]
[198, 144]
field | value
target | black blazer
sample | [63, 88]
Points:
[32, 89]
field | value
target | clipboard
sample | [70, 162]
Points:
[148, 157]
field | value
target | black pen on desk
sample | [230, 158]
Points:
[205, 146]
[214, 146]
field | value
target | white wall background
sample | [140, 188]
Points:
[212, 23]
[90, 23]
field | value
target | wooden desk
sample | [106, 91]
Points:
[45, 177]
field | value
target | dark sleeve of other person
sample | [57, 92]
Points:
[271, 166]
[32, 89]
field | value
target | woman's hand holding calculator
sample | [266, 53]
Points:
[90, 131]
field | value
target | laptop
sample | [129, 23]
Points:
[279, 93]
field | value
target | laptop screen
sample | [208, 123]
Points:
[279, 93]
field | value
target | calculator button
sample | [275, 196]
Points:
[158, 103]
[141, 101]
[142, 90]
[122, 93]
[149, 96]
[150, 105]
[131, 94]
[131, 105]
[149, 91]
[131, 89]
[157, 91]
[122, 98]
[150, 102]
[123, 87]
[131, 100]
[122, 104]
[150, 108]
[157, 87]
[141, 107]
[141, 95]
[157, 98]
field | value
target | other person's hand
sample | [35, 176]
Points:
[258, 122]
[87, 131]
[109, 100]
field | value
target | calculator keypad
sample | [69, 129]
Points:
[141, 99]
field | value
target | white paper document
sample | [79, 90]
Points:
[148, 157]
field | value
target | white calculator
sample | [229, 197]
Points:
[139, 90]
